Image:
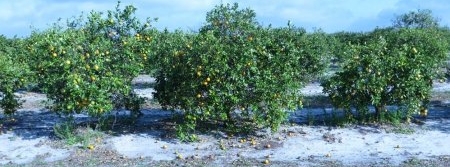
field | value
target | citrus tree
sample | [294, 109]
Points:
[394, 67]
[13, 74]
[340, 42]
[88, 65]
[237, 74]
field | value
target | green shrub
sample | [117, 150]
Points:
[14, 75]
[88, 65]
[236, 73]
[395, 67]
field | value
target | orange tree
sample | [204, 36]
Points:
[393, 67]
[14, 74]
[236, 73]
[341, 40]
[88, 65]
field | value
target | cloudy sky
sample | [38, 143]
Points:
[18, 16]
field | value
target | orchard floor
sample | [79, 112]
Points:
[27, 139]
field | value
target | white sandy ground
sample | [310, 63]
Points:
[356, 145]
[17, 150]
[351, 145]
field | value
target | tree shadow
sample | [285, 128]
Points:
[30, 124]
[438, 118]
[157, 123]
[160, 124]
[33, 124]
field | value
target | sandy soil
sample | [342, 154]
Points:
[28, 140]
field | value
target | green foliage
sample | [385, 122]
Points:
[71, 134]
[340, 42]
[66, 131]
[88, 65]
[395, 67]
[236, 73]
[13, 76]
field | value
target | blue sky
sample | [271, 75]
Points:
[18, 16]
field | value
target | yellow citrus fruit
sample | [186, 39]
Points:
[68, 62]
[199, 95]
[208, 79]
[423, 112]
[54, 54]
[91, 147]
[96, 67]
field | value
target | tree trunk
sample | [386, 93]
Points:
[379, 109]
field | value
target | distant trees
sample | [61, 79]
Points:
[416, 19]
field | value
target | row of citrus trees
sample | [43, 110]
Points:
[234, 73]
